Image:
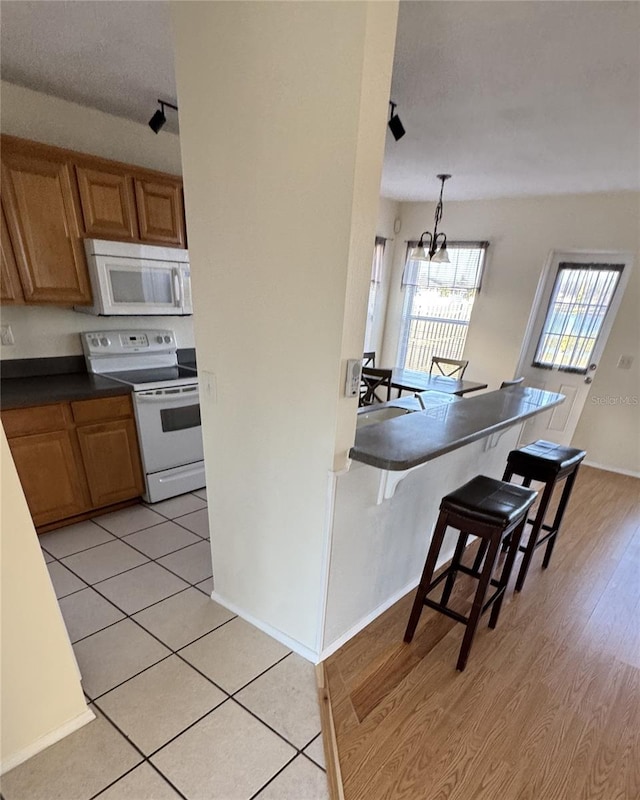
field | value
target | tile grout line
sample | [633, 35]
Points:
[228, 696]
[146, 608]
[144, 760]
[189, 664]
[273, 777]
[130, 569]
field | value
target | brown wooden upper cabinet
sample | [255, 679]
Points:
[160, 211]
[54, 198]
[108, 204]
[10, 288]
[40, 199]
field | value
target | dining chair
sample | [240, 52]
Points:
[375, 386]
[514, 382]
[369, 359]
[450, 367]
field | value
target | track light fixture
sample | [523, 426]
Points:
[157, 121]
[395, 126]
[430, 250]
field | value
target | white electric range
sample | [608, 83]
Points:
[166, 403]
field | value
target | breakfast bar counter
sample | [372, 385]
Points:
[384, 503]
[415, 438]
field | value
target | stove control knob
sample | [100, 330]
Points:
[159, 339]
[104, 341]
[167, 339]
[94, 343]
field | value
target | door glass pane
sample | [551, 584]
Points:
[180, 418]
[579, 303]
[141, 286]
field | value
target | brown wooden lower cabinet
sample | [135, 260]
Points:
[52, 479]
[68, 468]
[111, 461]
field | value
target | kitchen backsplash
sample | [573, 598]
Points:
[41, 332]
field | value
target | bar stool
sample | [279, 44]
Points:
[492, 510]
[548, 463]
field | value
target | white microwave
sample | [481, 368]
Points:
[135, 279]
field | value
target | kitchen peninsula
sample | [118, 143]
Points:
[386, 503]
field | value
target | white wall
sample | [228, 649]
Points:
[281, 261]
[37, 116]
[40, 331]
[42, 698]
[522, 232]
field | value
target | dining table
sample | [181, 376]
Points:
[407, 380]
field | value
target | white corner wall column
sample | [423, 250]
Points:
[42, 699]
[283, 111]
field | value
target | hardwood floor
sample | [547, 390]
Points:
[548, 707]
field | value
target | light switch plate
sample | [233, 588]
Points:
[352, 382]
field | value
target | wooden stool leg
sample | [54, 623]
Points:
[453, 569]
[515, 537]
[533, 535]
[526, 482]
[482, 551]
[566, 494]
[427, 574]
[478, 601]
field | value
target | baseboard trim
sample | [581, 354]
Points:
[607, 468]
[368, 619]
[287, 641]
[47, 740]
[329, 739]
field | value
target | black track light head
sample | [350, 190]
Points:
[395, 126]
[158, 120]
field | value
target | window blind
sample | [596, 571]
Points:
[464, 270]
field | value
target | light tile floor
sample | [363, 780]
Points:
[191, 701]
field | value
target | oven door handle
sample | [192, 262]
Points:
[189, 394]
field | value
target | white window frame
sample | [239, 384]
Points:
[377, 270]
[452, 329]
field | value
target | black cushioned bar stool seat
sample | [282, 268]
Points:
[494, 511]
[548, 463]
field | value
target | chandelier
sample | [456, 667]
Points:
[433, 246]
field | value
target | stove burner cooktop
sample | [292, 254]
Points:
[155, 377]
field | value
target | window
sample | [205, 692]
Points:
[437, 304]
[579, 302]
[374, 293]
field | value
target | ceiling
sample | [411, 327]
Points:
[513, 99]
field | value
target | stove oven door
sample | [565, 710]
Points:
[169, 427]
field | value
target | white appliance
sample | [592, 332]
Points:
[165, 400]
[129, 279]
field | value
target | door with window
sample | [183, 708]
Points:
[577, 300]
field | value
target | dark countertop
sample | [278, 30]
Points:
[61, 379]
[63, 388]
[412, 439]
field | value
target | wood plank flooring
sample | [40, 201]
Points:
[548, 707]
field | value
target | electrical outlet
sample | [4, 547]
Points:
[625, 362]
[6, 335]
